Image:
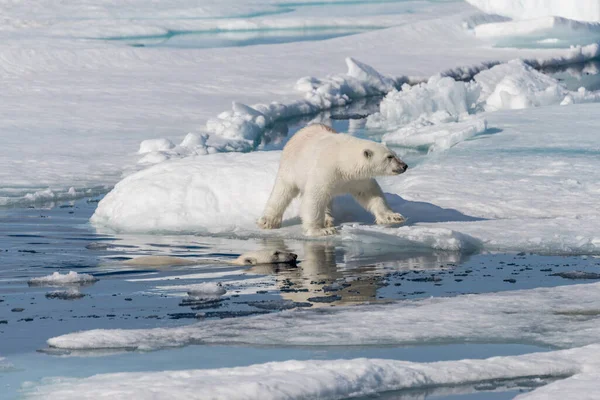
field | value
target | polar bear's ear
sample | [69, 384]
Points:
[249, 261]
[368, 153]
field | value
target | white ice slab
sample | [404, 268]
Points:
[58, 279]
[334, 379]
[559, 316]
[582, 10]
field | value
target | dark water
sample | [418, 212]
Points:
[38, 241]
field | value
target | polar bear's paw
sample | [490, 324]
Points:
[389, 219]
[321, 232]
[329, 222]
[269, 223]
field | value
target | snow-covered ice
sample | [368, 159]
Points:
[528, 194]
[58, 279]
[543, 31]
[582, 10]
[558, 316]
[336, 379]
[112, 96]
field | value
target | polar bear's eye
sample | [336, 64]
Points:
[276, 253]
[390, 157]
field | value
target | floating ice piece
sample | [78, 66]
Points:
[581, 10]
[58, 279]
[433, 137]
[550, 31]
[150, 145]
[413, 236]
[333, 379]
[213, 289]
[582, 386]
[5, 365]
[544, 316]
[70, 294]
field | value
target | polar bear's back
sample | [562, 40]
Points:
[306, 137]
[303, 151]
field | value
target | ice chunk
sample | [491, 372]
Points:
[69, 294]
[441, 99]
[205, 289]
[581, 10]
[333, 379]
[58, 279]
[515, 85]
[434, 238]
[544, 316]
[151, 145]
[544, 31]
[425, 134]
[241, 128]
[581, 386]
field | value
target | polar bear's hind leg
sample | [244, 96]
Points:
[329, 221]
[314, 207]
[281, 197]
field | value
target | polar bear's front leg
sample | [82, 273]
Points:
[329, 221]
[314, 204]
[369, 195]
[281, 197]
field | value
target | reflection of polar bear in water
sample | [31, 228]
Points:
[258, 257]
[320, 164]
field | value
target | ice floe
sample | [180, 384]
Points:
[58, 279]
[561, 316]
[582, 10]
[544, 31]
[69, 294]
[335, 379]
[518, 193]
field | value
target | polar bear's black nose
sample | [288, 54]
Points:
[404, 167]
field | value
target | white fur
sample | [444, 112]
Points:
[250, 258]
[320, 164]
[265, 257]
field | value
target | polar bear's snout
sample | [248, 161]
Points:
[398, 166]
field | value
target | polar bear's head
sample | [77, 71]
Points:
[266, 257]
[381, 161]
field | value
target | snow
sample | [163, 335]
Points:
[582, 385]
[523, 194]
[334, 379]
[58, 279]
[241, 128]
[554, 31]
[441, 98]
[112, 96]
[556, 317]
[425, 134]
[582, 10]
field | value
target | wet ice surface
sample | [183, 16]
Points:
[217, 39]
[36, 242]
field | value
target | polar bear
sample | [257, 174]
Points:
[257, 257]
[319, 164]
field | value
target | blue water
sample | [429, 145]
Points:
[38, 241]
[237, 38]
